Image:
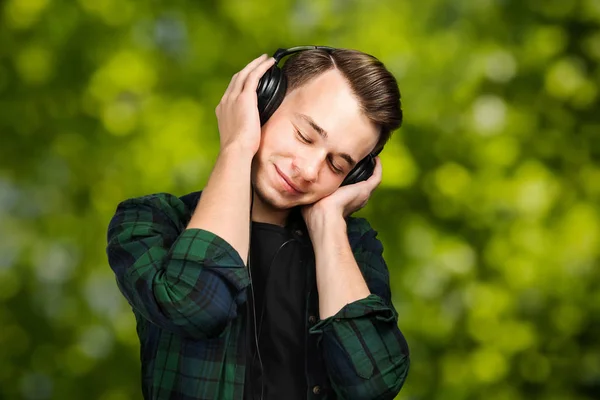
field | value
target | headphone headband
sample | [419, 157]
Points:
[280, 53]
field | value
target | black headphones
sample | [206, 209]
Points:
[271, 91]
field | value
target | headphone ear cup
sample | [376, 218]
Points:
[270, 92]
[361, 172]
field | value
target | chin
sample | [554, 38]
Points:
[269, 194]
[272, 198]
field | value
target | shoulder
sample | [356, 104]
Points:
[361, 234]
[368, 252]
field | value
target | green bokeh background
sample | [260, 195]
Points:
[488, 210]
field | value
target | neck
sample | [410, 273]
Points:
[262, 212]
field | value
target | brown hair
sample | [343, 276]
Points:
[375, 87]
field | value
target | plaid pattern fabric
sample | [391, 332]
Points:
[187, 289]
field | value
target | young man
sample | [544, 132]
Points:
[262, 286]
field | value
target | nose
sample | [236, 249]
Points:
[309, 166]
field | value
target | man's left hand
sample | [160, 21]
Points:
[345, 200]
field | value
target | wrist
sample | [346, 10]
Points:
[235, 152]
[324, 223]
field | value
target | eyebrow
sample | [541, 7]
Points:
[323, 133]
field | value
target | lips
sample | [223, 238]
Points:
[288, 181]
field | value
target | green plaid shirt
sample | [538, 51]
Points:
[187, 289]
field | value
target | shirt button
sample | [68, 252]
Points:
[298, 232]
[312, 319]
[317, 389]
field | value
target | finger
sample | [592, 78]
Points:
[375, 178]
[372, 181]
[234, 85]
[251, 82]
[378, 171]
[237, 83]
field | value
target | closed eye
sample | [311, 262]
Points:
[302, 137]
[335, 168]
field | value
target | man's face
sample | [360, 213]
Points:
[309, 144]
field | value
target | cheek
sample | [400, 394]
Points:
[329, 184]
[276, 138]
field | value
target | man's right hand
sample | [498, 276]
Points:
[237, 112]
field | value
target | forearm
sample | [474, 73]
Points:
[339, 280]
[224, 207]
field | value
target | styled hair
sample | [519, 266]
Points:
[374, 86]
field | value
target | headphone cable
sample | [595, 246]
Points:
[262, 372]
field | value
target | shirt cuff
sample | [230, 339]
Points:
[372, 306]
[214, 253]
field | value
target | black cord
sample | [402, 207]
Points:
[262, 371]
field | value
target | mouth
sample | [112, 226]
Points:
[288, 184]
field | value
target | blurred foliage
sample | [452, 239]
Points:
[488, 210]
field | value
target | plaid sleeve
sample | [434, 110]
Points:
[189, 281]
[366, 355]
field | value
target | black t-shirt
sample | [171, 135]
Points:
[279, 284]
